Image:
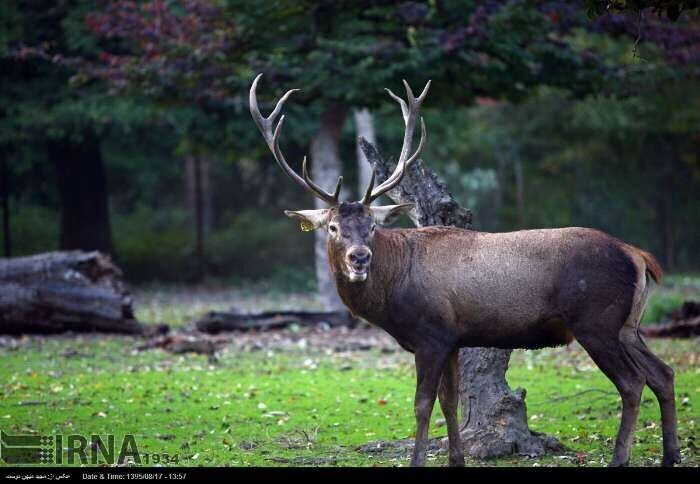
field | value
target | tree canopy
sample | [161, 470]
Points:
[580, 92]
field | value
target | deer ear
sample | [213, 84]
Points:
[310, 219]
[388, 213]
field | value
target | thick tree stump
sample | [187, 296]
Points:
[494, 417]
[64, 291]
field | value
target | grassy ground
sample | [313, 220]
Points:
[304, 397]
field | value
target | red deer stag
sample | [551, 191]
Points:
[437, 289]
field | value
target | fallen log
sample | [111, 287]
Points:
[218, 321]
[683, 322]
[57, 292]
[689, 328]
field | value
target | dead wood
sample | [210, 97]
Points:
[218, 321]
[683, 322]
[57, 292]
[688, 328]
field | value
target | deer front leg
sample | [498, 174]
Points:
[448, 395]
[429, 366]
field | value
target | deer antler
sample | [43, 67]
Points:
[409, 109]
[272, 138]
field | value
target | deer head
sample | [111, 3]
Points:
[350, 225]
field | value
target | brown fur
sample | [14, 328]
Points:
[436, 289]
[653, 266]
[481, 284]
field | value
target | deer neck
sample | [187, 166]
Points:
[369, 299]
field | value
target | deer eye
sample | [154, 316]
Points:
[372, 227]
[333, 229]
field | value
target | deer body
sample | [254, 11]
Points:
[523, 289]
[437, 289]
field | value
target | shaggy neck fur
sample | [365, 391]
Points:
[368, 299]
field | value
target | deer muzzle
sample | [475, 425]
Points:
[357, 259]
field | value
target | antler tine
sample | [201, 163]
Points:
[396, 177]
[272, 138]
[423, 137]
[409, 109]
[367, 199]
[402, 103]
[398, 174]
[318, 189]
[409, 92]
[424, 94]
[265, 123]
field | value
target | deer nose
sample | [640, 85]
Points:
[359, 255]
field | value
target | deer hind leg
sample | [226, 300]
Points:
[659, 376]
[448, 395]
[430, 363]
[610, 356]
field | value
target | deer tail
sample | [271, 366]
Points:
[653, 266]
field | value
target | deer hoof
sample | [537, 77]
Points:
[617, 463]
[671, 459]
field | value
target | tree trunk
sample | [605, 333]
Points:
[659, 154]
[501, 164]
[325, 169]
[364, 128]
[199, 198]
[5, 200]
[82, 187]
[64, 291]
[494, 418]
[665, 211]
[519, 190]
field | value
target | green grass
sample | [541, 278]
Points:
[179, 305]
[306, 406]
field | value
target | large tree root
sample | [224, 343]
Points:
[484, 445]
[494, 417]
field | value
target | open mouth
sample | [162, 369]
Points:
[357, 273]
